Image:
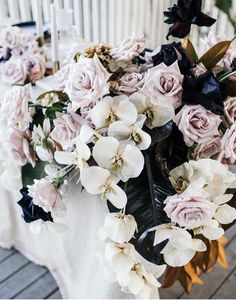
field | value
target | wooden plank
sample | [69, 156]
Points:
[20, 280]
[228, 289]
[55, 295]
[11, 265]
[40, 289]
[5, 253]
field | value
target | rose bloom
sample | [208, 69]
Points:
[197, 124]
[15, 106]
[230, 110]
[131, 83]
[19, 146]
[228, 144]
[87, 82]
[164, 83]
[60, 78]
[10, 37]
[189, 212]
[44, 194]
[207, 149]
[128, 48]
[36, 67]
[67, 127]
[14, 71]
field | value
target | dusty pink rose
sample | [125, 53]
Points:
[67, 127]
[131, 83]
[189, 212]
[164, 83]
[20, 148]
[87, 82]
[228, 144]
[44, 194]
[61, 77]
[10, 37]
[36, 67]
[230, 110]
[197, 124]
[207, 149]
[128, 48]
[14, 71]
[15, 107]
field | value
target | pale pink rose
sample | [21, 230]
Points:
[164, 84]
[189, 212]
[36, 67]
[228, 59]
[87, 82]
[207, 149]
[131, 83]
[60, 78]
[25, 49]
[67, 127]
[230, 110]
[197, 124]
[45, 195]
[228, 145]
[14, 71]
[10, 37]
[129, 48]
[20, 148]
[15, 107]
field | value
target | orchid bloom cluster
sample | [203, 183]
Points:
[21, 57]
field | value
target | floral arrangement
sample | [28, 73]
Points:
[21, 57]
[151, 132]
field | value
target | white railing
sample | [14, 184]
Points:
[112, 20]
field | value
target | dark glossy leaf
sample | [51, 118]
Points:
[189, 49]
[224, 5]
[29, 173]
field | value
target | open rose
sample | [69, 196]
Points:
[197, 124]
[45, 195]
[87, 82]
[128, 48]
[189, 212]
[228, 144]
[67, 127]
[10, 37]
[131, 83]
[230, 111]
[14, 71]
[164, 83]
[36, 67]
[207, 149]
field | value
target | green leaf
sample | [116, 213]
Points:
[215, 54]
[224, 5]
[189, 49]
[28, 173]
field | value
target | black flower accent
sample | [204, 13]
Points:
[32, 212]
[6, 54]
[169, 53]
[183, 15]
[205, 90]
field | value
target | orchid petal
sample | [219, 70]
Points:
[93, 179]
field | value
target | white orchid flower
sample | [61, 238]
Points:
[109, 110]
[98, 181]
[225, 214]
[211, 231]
[78, 157]
[120, 256]
[124, 161]
[157, 113]
[131, 134]
[139, 282]
[42, 142]
[180, 248]
[88, 134]
[118, 227]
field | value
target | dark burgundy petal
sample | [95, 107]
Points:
[179, 30]
[204, 20]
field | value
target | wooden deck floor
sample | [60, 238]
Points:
[21, 279]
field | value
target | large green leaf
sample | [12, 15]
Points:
[224, 5]
[28, 173]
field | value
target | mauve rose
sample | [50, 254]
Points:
[131, 83]
[67, 127]
[19, 146]
[15, 107]
[87, 82]
[10, 37]
[230, 111]
[14, 71]
[44, 194]
[128, 49]
[36, 67]
[189, 212]
[197, 124]
[228, 145]
[164, 83]
[60, 78]
[207, 149]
